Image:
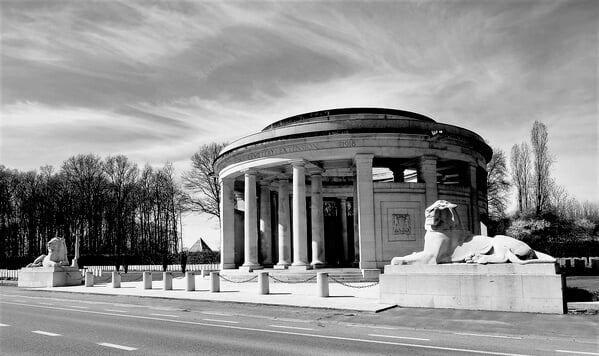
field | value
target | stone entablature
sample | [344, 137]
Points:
[301, 168]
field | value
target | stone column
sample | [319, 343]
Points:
[474, 211]
[365, 210]
[300, 248]
[344, 237]
[283, 226]
[265, 225]
[318, 253]
[227, 224]
[428, 173]
[356, 229]
[250, 223]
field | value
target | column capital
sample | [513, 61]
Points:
[363, 158]
[298, 164]
[250, 172]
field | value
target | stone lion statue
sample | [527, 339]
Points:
[57, 255]
[446, 241]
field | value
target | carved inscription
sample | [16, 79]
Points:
[275, 151]
[348, 143]
[401, 224]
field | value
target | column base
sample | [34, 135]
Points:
[318, 264]
[300, 267]
[228, 266]
[281, 266]
[250, 268]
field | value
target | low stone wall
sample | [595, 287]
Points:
[503, 287]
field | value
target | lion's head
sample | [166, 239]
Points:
[441, 216]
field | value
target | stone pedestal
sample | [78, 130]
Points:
[35, 277]
[537, 288]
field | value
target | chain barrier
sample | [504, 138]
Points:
[350, 286]
[232, 281]
[291, 282]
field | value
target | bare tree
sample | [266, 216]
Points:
[201, 181]
[542, 162]
[520, 164]
[498, 184]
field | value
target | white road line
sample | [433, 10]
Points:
[115, 310]
[577, 352]
[166, 315]
[377, 327]
[46, 303]
[270, 331]
[400, 337]
[115, 346]
[216, 313]
[222, 321]
[45, 333]
[487, 335]
[78, 307]
[289, 327]
[4, 325]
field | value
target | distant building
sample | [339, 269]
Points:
[344, 187]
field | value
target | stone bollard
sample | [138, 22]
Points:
[167, 278]
[147, 277]
[190, 278]
[214, 282]
[263, 283]
[322, 284]
[116, 279]
[89, 279]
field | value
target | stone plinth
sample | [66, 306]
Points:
[537, 288]
[49, 277]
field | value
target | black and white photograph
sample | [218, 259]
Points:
[324, 177]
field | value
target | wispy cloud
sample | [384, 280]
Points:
[157, 79]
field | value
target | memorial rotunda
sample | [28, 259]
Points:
[344, 188]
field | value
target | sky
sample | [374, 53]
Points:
[156, 80]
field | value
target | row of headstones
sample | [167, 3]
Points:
[579, 262]
[322, 281]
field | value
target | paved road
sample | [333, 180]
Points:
[40, 323]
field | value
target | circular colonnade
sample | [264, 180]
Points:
[344, 188]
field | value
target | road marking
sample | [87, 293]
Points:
[216, 313]
[377, 327]
[270, 331]
[46, 303]
[45, 333]
[222, 321]
[577, 352]
[115, 346]
[400, 337]
[4, 325]
[78, 307]
[167, 315]
[115, 310]
[289, 327]
[486, 335]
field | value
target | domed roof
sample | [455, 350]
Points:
[366, 113]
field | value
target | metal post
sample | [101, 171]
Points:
[214, 282]
[147, 277]
[263, 283]
[89, 279]
[191, 281]
[116, 279]
[167, 278]
[322, 283]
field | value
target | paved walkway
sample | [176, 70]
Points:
[298, 294]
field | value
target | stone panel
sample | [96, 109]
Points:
[503, 287]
